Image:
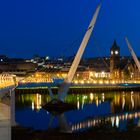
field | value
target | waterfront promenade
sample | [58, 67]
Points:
[5, 125]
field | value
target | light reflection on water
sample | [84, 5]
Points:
[110, 109]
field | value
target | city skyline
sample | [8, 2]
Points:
[69, 69]
[34, 27]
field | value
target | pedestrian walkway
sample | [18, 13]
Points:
[5, 125]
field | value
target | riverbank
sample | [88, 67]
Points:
[98, 134]
[37, 88]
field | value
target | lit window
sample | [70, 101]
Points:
[111, 52]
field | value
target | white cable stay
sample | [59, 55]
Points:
[133, 53]
[62, 91]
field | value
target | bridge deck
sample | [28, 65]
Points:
[5, 127]
[5, 123]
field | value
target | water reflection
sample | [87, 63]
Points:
[113, 120]
[123, 100]
[132, 100]
[94, 109]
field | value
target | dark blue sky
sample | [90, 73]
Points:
[51, 27]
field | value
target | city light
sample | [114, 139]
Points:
[94, 82]
[100, 82]
[113, 82]
[23, 81]
[107, 82]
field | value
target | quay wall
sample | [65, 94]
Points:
[78, 90]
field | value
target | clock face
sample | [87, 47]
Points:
[116, 52]
[111, 52]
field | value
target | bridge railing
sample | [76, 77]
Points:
[7, 80]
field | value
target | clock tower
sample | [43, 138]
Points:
[114, 60]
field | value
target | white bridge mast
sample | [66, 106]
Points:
[62, 91]
[133, 53]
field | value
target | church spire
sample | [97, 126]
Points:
[115, 46]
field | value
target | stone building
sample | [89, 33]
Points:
[122, 67]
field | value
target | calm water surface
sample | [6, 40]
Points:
[119, 110]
